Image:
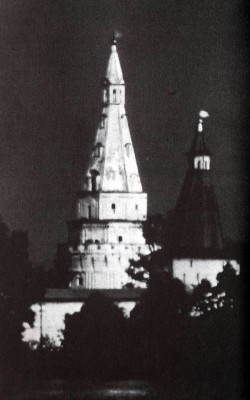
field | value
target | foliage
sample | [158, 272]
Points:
[17, 292]
[154, 229]
[95, 339]
[156, 327]
[216, 333]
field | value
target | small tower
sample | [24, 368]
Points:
[197, 251]
[111, 206]
[197, 220]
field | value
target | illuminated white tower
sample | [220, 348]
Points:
[111, 207]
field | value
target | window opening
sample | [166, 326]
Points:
[89, 210]
[113, 207]
[120, 239]
[95, 180]
[114, 95]
[102, 125]
[80, 281]
[98, 150]
[128, 148]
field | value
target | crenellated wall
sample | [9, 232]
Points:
[104, 266]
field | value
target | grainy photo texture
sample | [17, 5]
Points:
[124, 199]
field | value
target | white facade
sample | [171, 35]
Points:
[107, 232]
[192, 271]
[50, 320]
[113, 206]
[104, 266]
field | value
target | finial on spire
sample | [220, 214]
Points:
[116, 35]
[202, 114]
[114, 38]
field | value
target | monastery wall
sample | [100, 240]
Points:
[50, 320]
[192, 271]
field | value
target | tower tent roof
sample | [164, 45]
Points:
[114, 72]
[199, 146]
[112, 163]
[197, 220]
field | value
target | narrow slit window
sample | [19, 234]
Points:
[113, 207]
[128, 148]
[98, 150]
[80, 281]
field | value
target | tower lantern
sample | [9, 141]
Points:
[200, 154]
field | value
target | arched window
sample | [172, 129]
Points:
[95, 180]
[114, 96]
[88, 183]
[98, 150]
[102, 124]
[113, 207]
[80, 281]
[119, 239]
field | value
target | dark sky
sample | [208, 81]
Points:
[52, 57]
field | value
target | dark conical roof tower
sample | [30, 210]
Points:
[197, 222]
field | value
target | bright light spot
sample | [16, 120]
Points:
[203, 114]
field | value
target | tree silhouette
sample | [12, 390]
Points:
[17, 293]
[215, 346]
[157, 326]
[154, 230]
[95, 339]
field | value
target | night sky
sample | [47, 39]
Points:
[178, 57]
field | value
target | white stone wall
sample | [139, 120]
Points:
[51, 324]
[123, 206]
[114, 206]
[104, 266]
[88, 207]
[49, 321]
[192, 271]
[112, 233]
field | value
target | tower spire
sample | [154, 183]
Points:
[113, 166]
[111, 206]
[197, 221]
[114, 72]
[199, 154]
